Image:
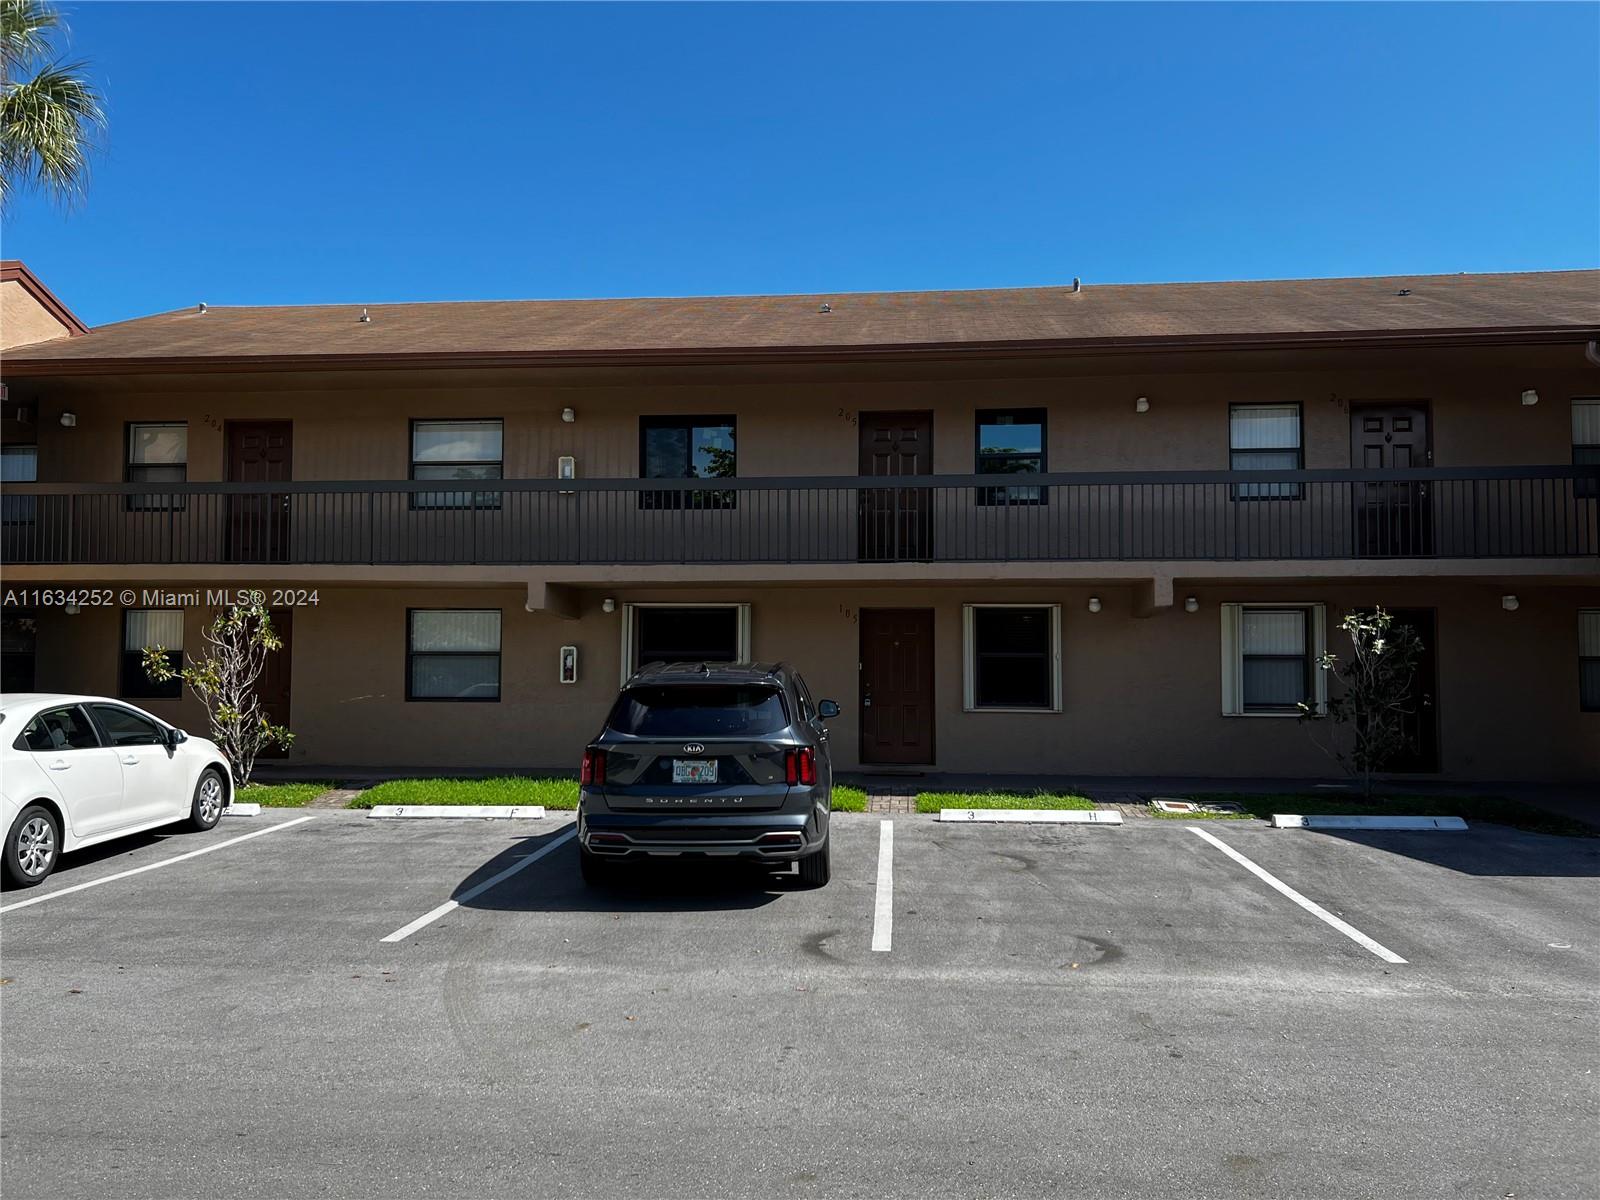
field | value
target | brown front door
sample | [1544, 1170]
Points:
[273, 686]
[258, 523]
[897, 685]
[1391, 518]
[896, 523]
[1422, 722]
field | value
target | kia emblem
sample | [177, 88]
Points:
[693, 748]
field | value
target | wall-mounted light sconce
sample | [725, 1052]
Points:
[1094, 603]
[69, 420]
[569, 415]
[1190, 604]
[1510, 603]
[566, 468]
[1530, 398]
[569, 664]
[1142, 404]
[70, 609]
[608, 605]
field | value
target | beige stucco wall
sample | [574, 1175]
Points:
[809, 427]
[1141, 696]
[23, 320]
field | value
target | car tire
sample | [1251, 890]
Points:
[33, 844]
[816, 868]
[596, 871]
[210, 798]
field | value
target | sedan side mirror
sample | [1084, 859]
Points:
[827, 709]
[176, 736]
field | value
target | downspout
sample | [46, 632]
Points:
[1592, 353]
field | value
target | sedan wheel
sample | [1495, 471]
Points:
[31, 847]
[209, 797]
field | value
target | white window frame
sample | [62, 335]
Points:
[20, 510]
[628, 609]
[969, 660]
[155, 500]
[1233, 665]
[1583, 489]
[127, 671]
[1267, 491]
[452, 498]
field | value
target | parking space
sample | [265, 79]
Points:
[1488, 904]
[1100, 1011]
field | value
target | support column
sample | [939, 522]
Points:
[1152, 596]
[557, 599]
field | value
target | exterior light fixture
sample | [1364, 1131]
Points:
[1094, 603]
[1530, 398]
[70, 609]
[566, 468]
[569, 664]
[1510, 603]
[68, 420]
[569, 415]
[1142, 404]
[608, 605]
[1190, 604]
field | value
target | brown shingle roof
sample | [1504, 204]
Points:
[1549, 304]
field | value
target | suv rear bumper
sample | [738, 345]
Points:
[769, 837]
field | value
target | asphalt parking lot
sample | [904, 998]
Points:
[1052, 1011]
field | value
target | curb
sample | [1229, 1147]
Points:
[482, 812]
[1041, 816]
[242, 810]
[1295, 821]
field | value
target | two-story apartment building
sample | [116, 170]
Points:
[1075, 530]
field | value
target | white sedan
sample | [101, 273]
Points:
[77, 770]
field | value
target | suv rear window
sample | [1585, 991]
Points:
[700, 710]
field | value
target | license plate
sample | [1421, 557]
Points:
[694, 770]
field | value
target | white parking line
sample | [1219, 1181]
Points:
[883, 909]
[449, 906]
[165, 862]
[1316, 910]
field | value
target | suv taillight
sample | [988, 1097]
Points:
[800, 766]
[594, 767]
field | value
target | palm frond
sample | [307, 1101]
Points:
[25, 26]
[48, 125]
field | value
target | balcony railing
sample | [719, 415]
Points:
[1505, 512]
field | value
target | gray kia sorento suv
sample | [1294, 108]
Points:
[709, 760]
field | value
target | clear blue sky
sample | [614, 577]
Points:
[270, 154]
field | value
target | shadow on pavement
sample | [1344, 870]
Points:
[74, 861]
[553, 884]
[1483, 849]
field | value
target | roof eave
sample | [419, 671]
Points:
[41, 365]
[13, 269]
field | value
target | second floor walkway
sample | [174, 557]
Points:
[1217, 516]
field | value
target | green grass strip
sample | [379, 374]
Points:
[849, 799]
[281, 795]
[1500, 810]
[507, 789]
[932, 802]
[520, 789]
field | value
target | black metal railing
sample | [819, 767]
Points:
[1506, 512]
